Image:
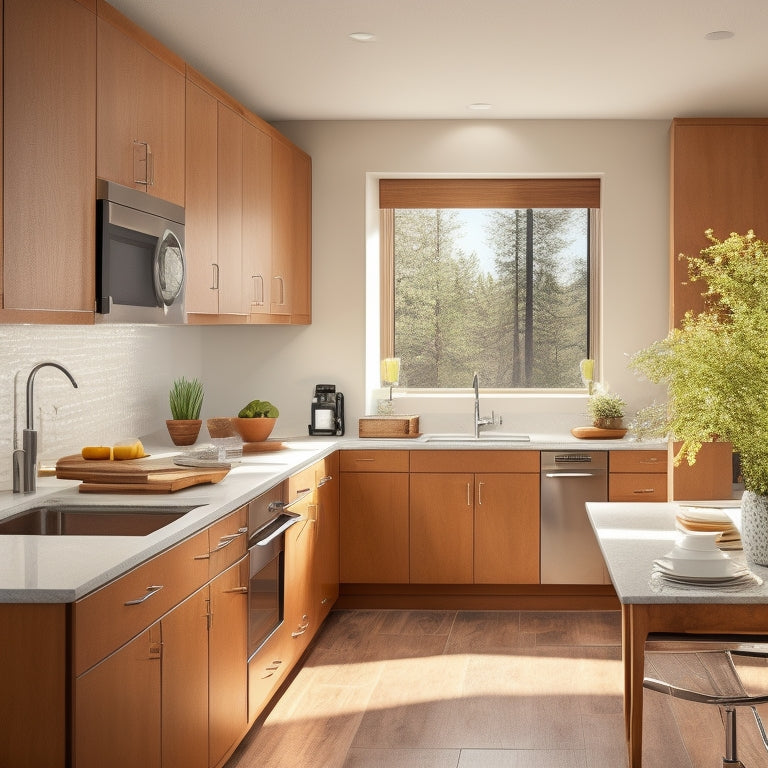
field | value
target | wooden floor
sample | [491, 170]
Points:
[476, 689]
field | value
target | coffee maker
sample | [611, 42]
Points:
[327, 416]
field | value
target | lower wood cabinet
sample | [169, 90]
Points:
[117, 707]
[474, 517]
[637, 476]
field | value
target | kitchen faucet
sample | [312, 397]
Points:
[481, 421]
[25, 459]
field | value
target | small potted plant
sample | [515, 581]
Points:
[606, 410]
[186, 400]
[255, 421]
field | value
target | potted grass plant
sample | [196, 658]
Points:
[186, 400]
[715, 366]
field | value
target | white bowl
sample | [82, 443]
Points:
[700, 568]
[698, 541]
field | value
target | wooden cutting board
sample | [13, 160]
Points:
[595, 433]
[134, 475]
[265, 445]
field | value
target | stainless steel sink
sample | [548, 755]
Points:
[51, 519]
[488, 437]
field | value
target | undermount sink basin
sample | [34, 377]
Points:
[488, 437]
[91, 520]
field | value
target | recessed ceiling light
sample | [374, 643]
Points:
[480, 105]
[362, 37]
[720, 34]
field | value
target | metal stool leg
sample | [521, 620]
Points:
[731, 760]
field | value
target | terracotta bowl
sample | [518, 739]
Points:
[254, 430]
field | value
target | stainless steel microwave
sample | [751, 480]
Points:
[140, 265]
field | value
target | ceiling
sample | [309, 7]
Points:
[431, 59]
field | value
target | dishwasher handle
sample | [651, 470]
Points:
[574, 474]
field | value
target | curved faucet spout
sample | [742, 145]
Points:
[30, 387]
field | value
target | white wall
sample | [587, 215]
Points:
[630, 156]
[124, 373]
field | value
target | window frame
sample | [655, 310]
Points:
[577, 192]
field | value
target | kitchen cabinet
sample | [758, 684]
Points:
[190, 706]
[291, 233]
[301, 612]
[373, 510]
[49, 126]
[637, 476]
[201, 214]
[257, 222]
[140, 109]
[472, 526]
[326, 561]
[117, 707]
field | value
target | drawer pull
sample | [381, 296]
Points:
[324, 480]
[302, 627]
[225, 541]
[150, 591]
[644, 490]
[238, 590]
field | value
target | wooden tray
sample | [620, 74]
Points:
[134, 475]
[595, 433]
[265, 445]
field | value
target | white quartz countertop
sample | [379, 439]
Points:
[43, 569]
[633, 535]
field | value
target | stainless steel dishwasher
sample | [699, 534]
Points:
[569, 550]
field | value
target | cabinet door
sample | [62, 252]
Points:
[301, 265]
[327, 542]
[441, 523]
[283, 228]
[230, 207]
[140, 117]
[506, 529]
[185, 683]
[117, 707]
[228, 660]
[201, 214]
[257, 219]
[373, 530]
[300, 609]
[49, 156]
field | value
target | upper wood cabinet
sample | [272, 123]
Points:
[140, 114]
[719, 169]
[49, 119]
[291, 235]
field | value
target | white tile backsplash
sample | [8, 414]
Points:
[123, 374]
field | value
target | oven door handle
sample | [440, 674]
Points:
[294, 518]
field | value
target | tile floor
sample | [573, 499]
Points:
[471, 689]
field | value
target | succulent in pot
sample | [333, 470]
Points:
[255, 421]
[185, 400]
[606, 410]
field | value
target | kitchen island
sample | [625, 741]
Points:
[631, 536]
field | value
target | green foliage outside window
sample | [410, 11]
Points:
[522, 321]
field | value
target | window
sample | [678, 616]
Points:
[493, 275]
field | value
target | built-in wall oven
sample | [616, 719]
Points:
[268, 520]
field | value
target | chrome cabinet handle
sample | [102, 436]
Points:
[480, 492]
[150, 591]
[469, 498]
[324, 480]
[225, 541]
[147, 153]
[258, 296]
[215, 286]
[282, 289]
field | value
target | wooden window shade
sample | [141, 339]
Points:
[489, 193]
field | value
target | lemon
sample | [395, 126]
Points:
[96, 452]
[132, 449]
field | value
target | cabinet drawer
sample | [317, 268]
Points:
[373, 461]
[302, 483]
[109, 617]
[227, 541]
[636, 486]
[475, 461]
[638, 461]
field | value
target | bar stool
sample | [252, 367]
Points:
[728, 702]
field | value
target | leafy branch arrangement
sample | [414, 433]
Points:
[716, 364]
[186, 399]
